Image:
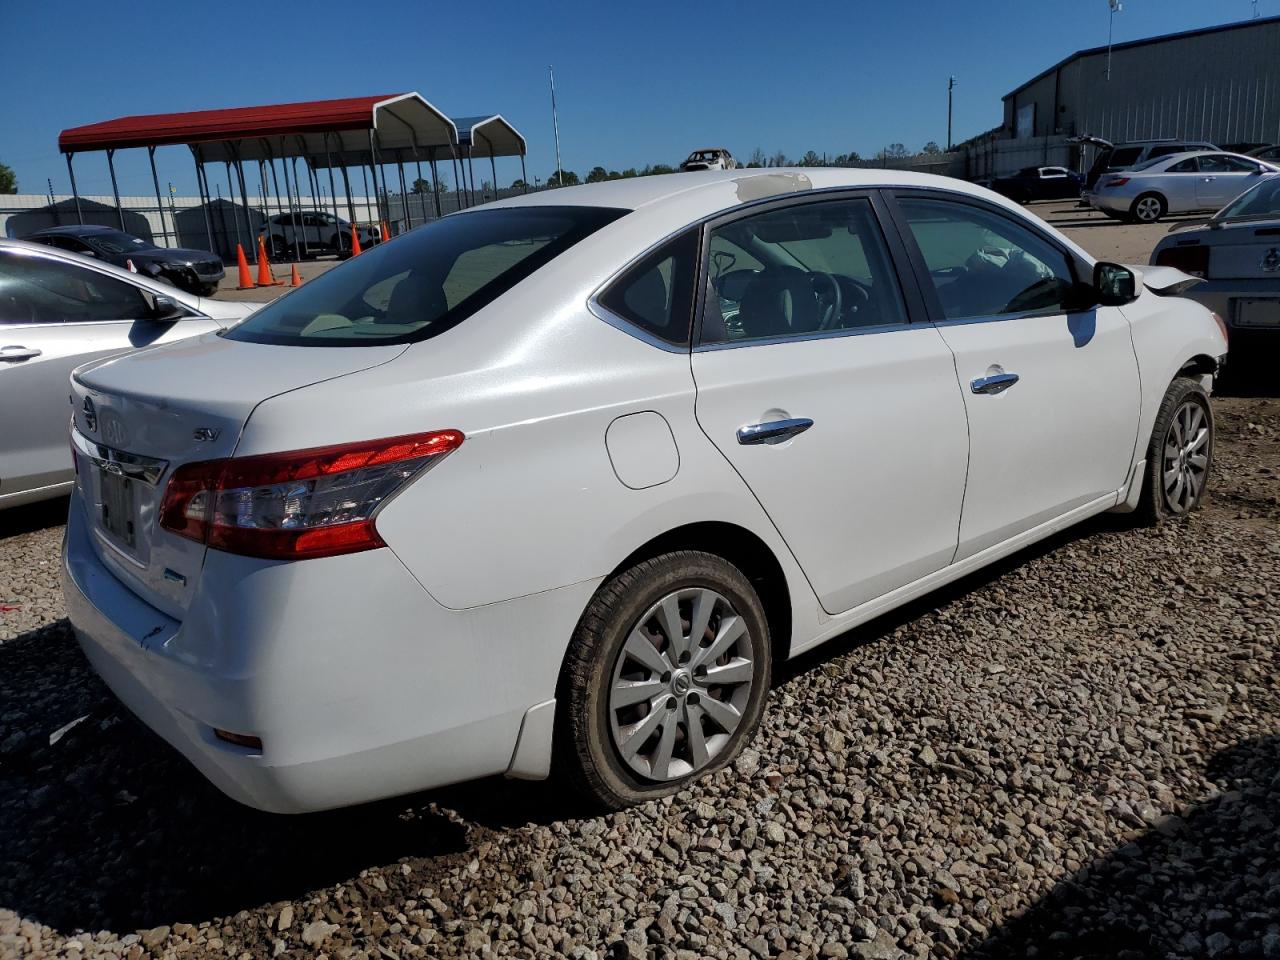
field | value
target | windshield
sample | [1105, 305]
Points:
[425, 282]
[116, 242]
[1263, 199]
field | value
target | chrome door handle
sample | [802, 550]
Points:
[775, 431]
[993, 385]
[15, 354]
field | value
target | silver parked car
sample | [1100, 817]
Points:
[1237, 252]
[1181, 183]
[57, 311]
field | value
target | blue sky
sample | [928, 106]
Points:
[636, 84]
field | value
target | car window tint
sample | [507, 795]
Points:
[1124, 157]
[37, 290]
[985, 265]
[657, 293]
[1188, 165]
[821, 268]
[427, 281]
[1167, 149]
[1261, 200]
[1223, 163]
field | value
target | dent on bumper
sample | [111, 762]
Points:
[417, 697]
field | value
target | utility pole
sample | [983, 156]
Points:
[555, 124]
[951, 84]
[1116, 7]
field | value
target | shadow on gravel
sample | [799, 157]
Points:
[110, 828]
[36, 516]
[1250, 372]
[1205, 884]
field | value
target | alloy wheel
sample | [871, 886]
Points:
[1148, 209]
[1185, 462]
[681, 684]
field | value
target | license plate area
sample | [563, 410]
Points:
[1257, 313]
[118, 507]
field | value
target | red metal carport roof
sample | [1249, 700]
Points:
[235, 123]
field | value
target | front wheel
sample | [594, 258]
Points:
[1180, 453]
[665, 679]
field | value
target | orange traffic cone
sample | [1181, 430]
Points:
[246, 278]
[386, 235]
[265, 279]
[294, 279]
[355, 241]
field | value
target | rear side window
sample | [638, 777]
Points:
[425, 282]
[656, 294]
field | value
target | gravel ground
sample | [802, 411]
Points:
[1075, 754]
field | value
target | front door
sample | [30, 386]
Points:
[1051, 392]
[842, 417]
[54, 316]
[1222, 179]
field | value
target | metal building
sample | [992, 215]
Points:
[1220, 84]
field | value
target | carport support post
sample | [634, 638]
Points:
[151, 155]
[294, 220]
[300, 224]
[493, 168]
[458, 185]
[235, 218]
[202, 187]
[524, 177]
[115, 190]
[244, 194]
[364, 174]
[333, 193]
[71, 171]
[351, 205]
[422, 196]
[404, 190]
[435, 181]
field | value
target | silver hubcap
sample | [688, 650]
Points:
[1185, 463]
[1148, 208]
[681, 684]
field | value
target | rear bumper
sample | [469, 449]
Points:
[1223, 296]
[358, 683]
[1109, 203]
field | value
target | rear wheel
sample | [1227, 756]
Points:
[665, 679]
[1180, 454]
[1148, 208]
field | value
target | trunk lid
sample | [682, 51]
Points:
[139, 416]
[1245, 250]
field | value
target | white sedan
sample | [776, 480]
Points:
[1178, 183]
[558, 481]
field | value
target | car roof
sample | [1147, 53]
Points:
[692, 196]
[75, 230]
[1205, 153]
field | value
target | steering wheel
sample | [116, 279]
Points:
[832, 312]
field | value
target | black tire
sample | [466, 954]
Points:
[586, 755]
[1161, 500]
[278, 249]
[1148, 208]
[207, 290]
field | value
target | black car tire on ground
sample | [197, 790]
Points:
[1182, 400]
[585, 752]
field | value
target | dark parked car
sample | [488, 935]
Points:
[1039, 183]
[196, 271]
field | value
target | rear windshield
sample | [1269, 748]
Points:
[1124, 156]
[425, 282]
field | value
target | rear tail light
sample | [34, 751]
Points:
[1222, 325]
[1116, 181]
[1192, 259]
[318, 502]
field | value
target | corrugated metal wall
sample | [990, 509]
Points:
[1223, 87]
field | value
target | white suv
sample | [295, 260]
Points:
[712, 158]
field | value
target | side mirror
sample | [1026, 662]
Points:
[1114, 285]
[164, 310]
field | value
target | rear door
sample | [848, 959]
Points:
[54, 316]
[842, 416]
[1051, 392]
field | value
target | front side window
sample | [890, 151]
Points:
[1188, 165]
[426, 282]
[985, 265]
[1223, 163]
[36, 290]
[798, 271]
[656, 294]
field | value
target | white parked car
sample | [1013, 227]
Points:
[1180, 183]
[709, 158]
[58, 310]
[557, 481]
